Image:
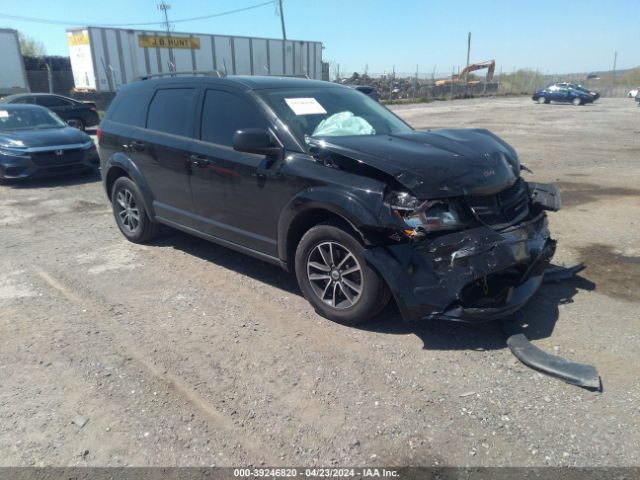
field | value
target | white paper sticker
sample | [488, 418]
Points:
[4, 114]
[305, 106]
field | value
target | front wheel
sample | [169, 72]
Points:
[543, 99]
[336, 279]
[577, 101]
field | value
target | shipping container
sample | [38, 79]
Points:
[13, 78]
[102, 59]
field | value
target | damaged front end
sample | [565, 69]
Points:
[470, 258]
[462, 236]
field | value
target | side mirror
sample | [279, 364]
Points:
[255, 140]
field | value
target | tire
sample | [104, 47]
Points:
[131, 216]
[543, 99]
[329, 265]
[77, 123]
[577, 101]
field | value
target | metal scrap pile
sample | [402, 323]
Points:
[390, 87]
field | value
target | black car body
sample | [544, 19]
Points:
[564, 92]
[34, 142]
[441, 217]
[77, 114]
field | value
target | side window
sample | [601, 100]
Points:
[172, 111]
[48, 102]
[224, 113]
[130, 108]
[23, 100]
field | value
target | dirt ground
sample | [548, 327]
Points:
[185, 353]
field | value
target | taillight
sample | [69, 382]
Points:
[99, 134]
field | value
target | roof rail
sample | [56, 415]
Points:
[216, 73]
[289, 75]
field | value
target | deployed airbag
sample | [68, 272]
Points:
[343, 124]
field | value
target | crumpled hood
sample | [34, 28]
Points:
[42, 138]
[437, 163]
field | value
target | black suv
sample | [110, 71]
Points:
[324, 181]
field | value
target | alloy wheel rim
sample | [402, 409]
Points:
[128, 211]
[335, 275]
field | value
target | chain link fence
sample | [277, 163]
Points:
[43, 81]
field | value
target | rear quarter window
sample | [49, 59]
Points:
[23, 100]
[51, 101]
[130, 108]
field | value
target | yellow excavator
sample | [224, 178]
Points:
[461, 78]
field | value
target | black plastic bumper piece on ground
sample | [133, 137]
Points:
[579, 374]
[558, 273]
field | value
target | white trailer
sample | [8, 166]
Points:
[13, 77]
[102, 59]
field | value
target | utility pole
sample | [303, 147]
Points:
[613, 75]
[284, 32]
[453, 74]
[466, 75]
[49, 76]
[162, 6]
[392, 81]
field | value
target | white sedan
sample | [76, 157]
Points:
[633, 92]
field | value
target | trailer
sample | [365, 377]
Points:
[103, 59]
[13, 77]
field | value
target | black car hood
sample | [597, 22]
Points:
[46, 137]
[436, 163]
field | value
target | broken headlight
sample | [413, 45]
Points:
[422, 217]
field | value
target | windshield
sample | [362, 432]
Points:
[28, 119]
[331, 112]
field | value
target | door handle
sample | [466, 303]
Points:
[200, 161]
[135, 145]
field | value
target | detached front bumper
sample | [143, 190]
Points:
[470, 276]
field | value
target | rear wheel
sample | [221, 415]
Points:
[577, 101]
[131, 216]
[77, 123]
[336, 279]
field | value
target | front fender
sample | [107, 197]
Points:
[346, 205]
[121, 161]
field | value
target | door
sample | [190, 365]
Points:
[235, 196]
[162, 151]
[561, 95]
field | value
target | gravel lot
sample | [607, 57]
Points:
[185, 353]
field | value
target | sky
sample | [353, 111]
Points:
[561, 36]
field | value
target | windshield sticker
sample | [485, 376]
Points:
[4, 114]
[305, 106]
